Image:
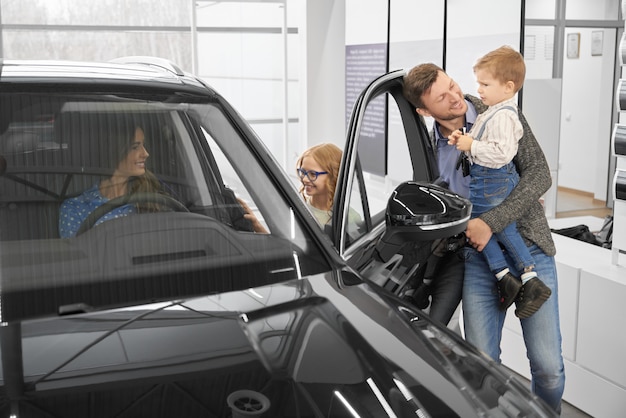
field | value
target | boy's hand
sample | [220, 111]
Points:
[462, 142]
[454, 136]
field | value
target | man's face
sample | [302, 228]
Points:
[444, 100]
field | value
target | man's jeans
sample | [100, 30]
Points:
[483, 322]
[447, 288]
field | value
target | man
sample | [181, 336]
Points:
[435, 94]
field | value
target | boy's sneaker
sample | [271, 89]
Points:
[508, 286]
[532, 295]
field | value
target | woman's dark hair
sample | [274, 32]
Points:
[121, 138]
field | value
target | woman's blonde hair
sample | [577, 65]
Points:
[328, 156]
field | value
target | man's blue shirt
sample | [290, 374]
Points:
[448, 155]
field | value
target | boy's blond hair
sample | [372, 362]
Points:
[504, 64]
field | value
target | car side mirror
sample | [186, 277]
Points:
[421, 212]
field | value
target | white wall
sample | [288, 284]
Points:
[415, 34]
[542, 108]
[322, 34]
[584, 146]
[472, 33]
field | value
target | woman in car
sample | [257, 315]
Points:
[127, 148]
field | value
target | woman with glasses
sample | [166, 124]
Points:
[318, 169]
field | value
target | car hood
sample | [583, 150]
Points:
[292, 349]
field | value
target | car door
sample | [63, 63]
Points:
[386, 145]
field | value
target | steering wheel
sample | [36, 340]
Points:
[135, 198]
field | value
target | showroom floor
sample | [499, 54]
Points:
[570, 203]
[571, 412]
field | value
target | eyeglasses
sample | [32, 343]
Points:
[311, 174]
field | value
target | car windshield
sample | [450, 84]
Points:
[177, 230]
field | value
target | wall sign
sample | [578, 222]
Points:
[573, 45]
[364, 63]
[597, 40]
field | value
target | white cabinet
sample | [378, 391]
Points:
[592, 310]
[601, 337]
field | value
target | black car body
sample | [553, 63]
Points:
[186, 311]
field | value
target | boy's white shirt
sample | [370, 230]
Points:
[498, 143]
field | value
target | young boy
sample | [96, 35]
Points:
[490, 147]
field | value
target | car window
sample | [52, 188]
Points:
[179, 230]
[378, 172]
[231, 179]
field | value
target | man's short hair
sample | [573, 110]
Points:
[418, 81]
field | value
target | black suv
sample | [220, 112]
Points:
[167, 302]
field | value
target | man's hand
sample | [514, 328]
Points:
[478, 233]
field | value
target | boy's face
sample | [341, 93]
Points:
[492, 91]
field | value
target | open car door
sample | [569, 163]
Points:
[388, 211]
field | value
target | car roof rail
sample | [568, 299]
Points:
[148, 60]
